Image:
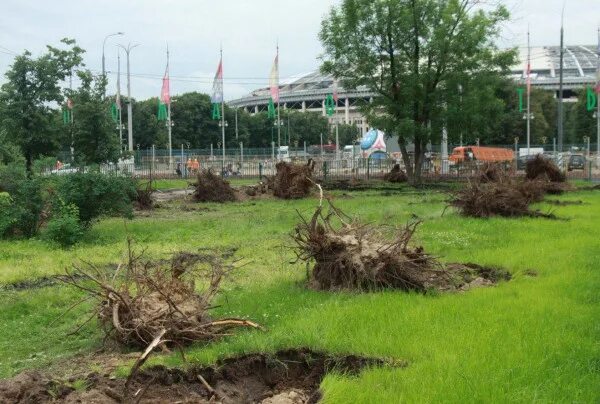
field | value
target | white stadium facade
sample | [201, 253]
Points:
[307, 92]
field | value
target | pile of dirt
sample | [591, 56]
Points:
[396, 175]
[287, 377]
[292, 181]
[210, 187]
[351, 255]
[148, 303]
[541, 168]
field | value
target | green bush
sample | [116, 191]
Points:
[23, 210]
[64, 227]
[95, 194]
[7, 219]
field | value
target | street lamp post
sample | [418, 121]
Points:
[129, 107]
[103, 58]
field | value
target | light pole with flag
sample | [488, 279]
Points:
[274, 89]
[218, 103]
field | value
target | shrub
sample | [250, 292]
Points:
[7, 219]
[64, 227]
[95, 194]
[24, 209]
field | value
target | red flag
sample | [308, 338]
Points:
[165, 96]
[274, 79]
[217, 96]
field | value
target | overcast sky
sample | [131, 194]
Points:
[247, 29]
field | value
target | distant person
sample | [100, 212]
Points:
[196, 166]
[189, 165]
[59, 165]
[178, 169]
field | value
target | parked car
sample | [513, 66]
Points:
[576, 162]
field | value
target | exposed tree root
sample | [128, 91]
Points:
[210, 187]
[351, 255]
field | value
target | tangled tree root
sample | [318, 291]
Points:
[292, 181]
[210, 187]
[494, 192]
[155, 303]
[396, 175]
[351, 255]
[143, 199]
[541, 168]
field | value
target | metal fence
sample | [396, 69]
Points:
[360, 169]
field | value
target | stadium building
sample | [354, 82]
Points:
[308, 92]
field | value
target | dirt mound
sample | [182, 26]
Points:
[292, 181]
[351, 255]
[155, 303]
[287, 377]
[210, 187]
[541, 168]
[396, 175]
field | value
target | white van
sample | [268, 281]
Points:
[283, 153]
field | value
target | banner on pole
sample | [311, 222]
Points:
[520, 92]
[592, 99]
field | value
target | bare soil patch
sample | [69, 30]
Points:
[287, 377]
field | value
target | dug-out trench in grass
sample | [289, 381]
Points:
[287, 377]
[351, 255]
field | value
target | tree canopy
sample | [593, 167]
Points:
[413, 54]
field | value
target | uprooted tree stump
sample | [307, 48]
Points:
[292, 181]
[155, 303]
[541, 168]
[210, 187]
[143, 199]
[351, 255]
[493, 192]
[396, 175]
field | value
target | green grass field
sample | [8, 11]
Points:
[532, 339]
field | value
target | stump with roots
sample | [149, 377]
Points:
[292, 181]
[350, 255]
[493, 192]
[143, 199]
[544, 169]
[155, 302]
[396, 175]
[210, 187]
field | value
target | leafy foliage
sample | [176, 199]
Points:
[95, 194]
[414, 54]
[22, 209]
[33, 86]
[64, 227]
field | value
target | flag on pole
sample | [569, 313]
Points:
[67, 112]
[217, 96]
[274, 79]
[528, 77]
[335, 91]
[165, 97]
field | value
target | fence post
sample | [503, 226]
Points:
[368, 167]
[325, 171]
[260, 170]
[590, 171]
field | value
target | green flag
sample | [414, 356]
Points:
[114, 112]
[162, 111]
[66, 116]
[520, 92]
[592, 99]
[216, 111]
[330, 105]
[271, 109]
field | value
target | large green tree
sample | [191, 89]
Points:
[413, 54]
[31, 94]
[94, 136]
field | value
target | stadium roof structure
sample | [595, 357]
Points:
[580, 64]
